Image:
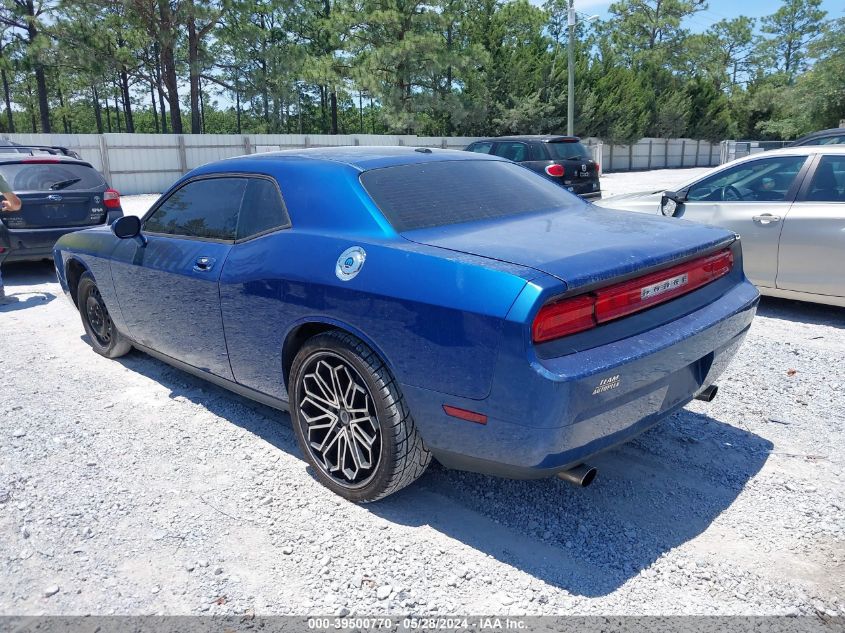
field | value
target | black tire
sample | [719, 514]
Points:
[102, 333]
[395, 459]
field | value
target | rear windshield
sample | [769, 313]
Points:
[50, 176]
[568, 150]
[426, 195]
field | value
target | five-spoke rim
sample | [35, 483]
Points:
[338, 420]
[98, 317]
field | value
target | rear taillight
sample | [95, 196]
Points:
[111, 199]
[40, 160]
[568, 316]
[555, 170]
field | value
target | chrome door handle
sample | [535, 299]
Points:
[766, 218]
[203, 264]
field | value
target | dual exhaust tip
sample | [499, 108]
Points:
[583, 475]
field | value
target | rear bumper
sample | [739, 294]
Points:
[36, 244]
[561, 411]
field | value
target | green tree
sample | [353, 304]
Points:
[792, 27]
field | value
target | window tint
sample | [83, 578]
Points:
[205, 208]
[481, 148]
[262, 209]
[51, 176]
[828, 184]
[827, 140]
[448, 192]
[765, 179]
[567, 150]
[516, 152]
[536, 151]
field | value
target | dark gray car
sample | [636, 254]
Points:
[60, 194]
[562, 159]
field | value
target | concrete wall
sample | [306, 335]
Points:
[149, 163]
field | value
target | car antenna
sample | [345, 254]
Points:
[422, 150]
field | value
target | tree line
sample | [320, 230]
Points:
[428, 67]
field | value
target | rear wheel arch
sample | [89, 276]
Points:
[300, 333]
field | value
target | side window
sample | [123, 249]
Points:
[828, 184]
[262, 209]
[206, 208]
[481, 148]
[765, 179]
[827, 140]
[537, 151]
[511, 150]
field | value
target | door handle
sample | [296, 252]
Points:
[766, 218]
[203, 264]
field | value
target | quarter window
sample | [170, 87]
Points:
[481, 148]
[537, 152]
[262, 209]
[827, 140]
[766, 179]
[512, 151]
[206, 208]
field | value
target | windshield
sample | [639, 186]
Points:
[51, 176]
[426, 195]
[568, 151]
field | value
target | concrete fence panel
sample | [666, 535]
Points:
[148, 163]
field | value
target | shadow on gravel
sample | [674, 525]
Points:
[651, 495]
[270, 424]
[802, 312]
[22, 301]
[28, 274]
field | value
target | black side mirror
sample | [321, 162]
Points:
[670, 201]
[128, 227]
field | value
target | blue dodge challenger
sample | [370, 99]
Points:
[405, 304]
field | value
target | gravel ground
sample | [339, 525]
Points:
[129, 487]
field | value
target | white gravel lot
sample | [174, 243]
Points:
[129, 487]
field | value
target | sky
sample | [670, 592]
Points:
[717, 10]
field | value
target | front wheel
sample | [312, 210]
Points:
[351, 420]
[105, 338]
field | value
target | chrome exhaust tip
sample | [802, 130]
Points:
[581, 475]
[708, 394]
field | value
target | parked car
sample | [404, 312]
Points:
[10, 147]
[562, 159]
[833, 136]
[60, 194]
[407, 304]
[789, 207]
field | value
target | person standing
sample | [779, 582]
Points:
[10, 204]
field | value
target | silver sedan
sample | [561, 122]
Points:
[788, 206]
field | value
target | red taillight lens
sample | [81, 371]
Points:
[40, 160]
[555, 170]
[111, 199]
[583, 312]
[564, 317]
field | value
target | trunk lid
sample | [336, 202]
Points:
[584, 246]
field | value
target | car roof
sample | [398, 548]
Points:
[360, 158]
[834, 131]
[799, 150]
[538, 138]
[19, 157]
